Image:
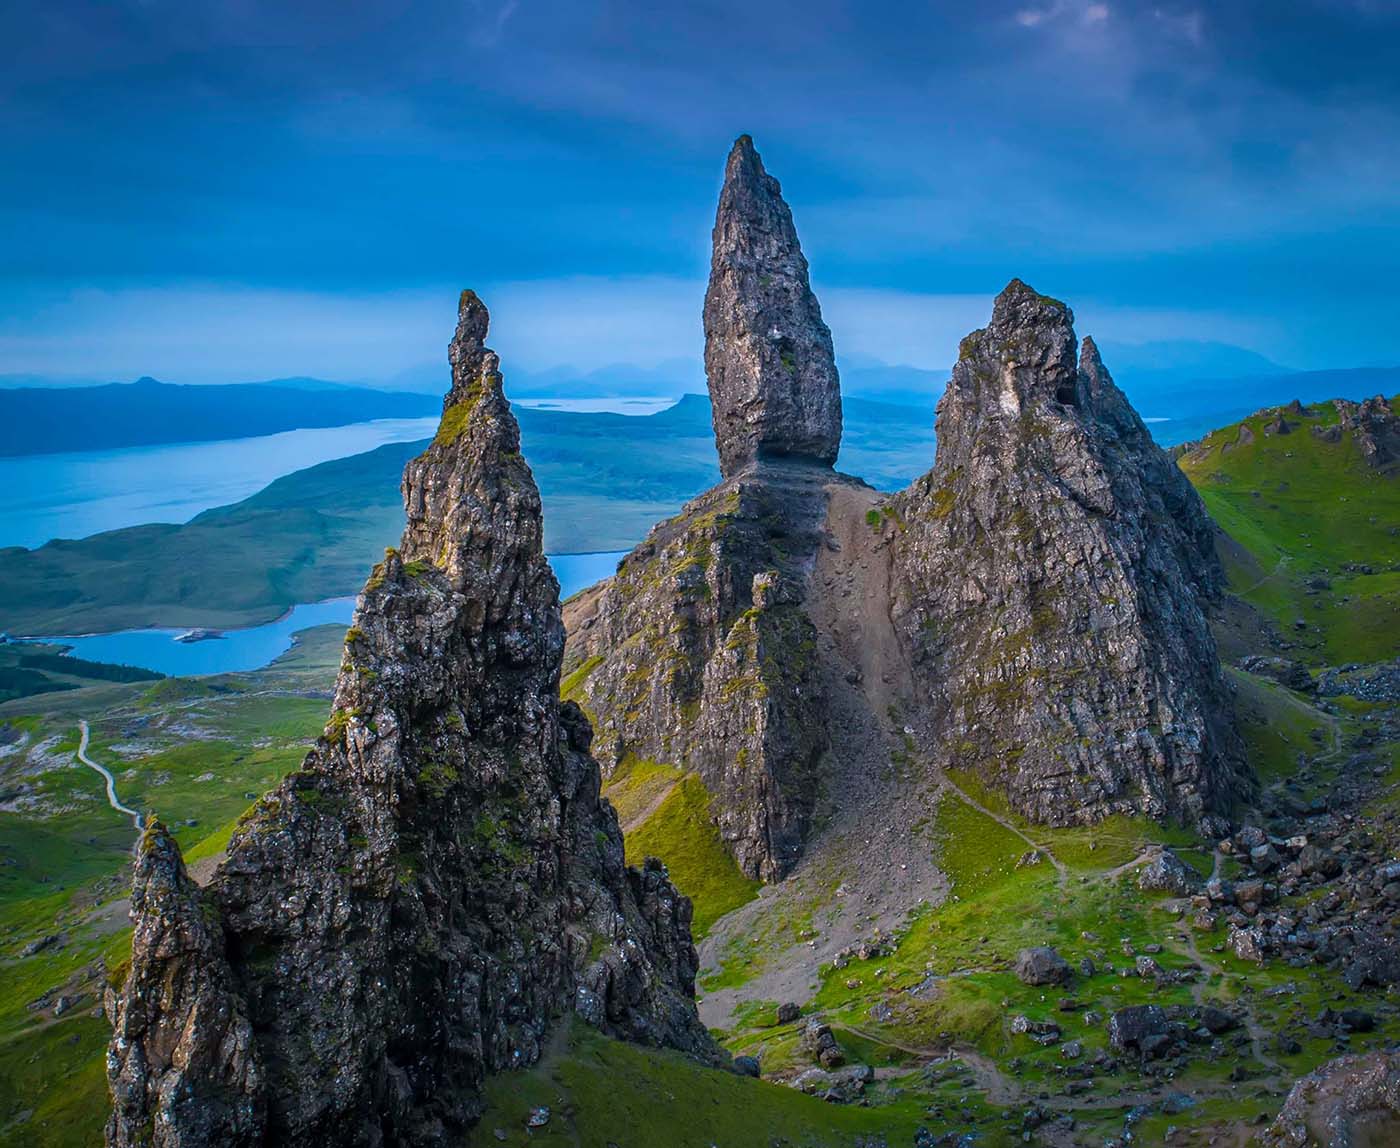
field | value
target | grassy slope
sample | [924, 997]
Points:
[63, 865]
[1302, 510]
[603, 1092]
[665, 813]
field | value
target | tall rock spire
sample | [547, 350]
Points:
[412, 908]
[772, 372]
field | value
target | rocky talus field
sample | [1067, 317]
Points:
[1054, 799]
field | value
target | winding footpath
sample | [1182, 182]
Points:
[111, 781]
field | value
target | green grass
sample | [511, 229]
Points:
[636, 785]
[602, 1092]
[1277, 725]
[681, 833]
[1302, 508]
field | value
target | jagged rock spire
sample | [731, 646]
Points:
[412, 908]
[178, 1029]
[1052, 587]
[774, 389]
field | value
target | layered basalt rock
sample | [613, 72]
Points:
[700, 652]
[768, 355]
[411, 909]
[1051, 583]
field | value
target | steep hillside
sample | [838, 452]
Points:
[1309, 498]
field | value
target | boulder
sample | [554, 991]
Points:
[1351, 1102]
[1168, 873]
[1042, 965]
[1138, 1028]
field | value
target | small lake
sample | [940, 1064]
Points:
[256, 646]
[83, 492]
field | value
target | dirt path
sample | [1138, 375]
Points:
[872, 863]
[1269, 577]
[107, 776]
[1256, 1031]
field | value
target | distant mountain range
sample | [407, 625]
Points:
[1199, 384]
[44, 420]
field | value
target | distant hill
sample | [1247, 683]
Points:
[605, 479]
[46, 420]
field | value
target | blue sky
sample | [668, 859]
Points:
[233, 190]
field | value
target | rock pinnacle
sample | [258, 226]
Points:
[768, 355]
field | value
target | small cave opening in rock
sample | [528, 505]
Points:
[1067, 394]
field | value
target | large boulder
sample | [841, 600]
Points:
[1042, 965]
[1144, 1029]
[1168, 873]
[1352, 1102]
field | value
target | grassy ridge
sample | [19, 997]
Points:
[1310, 517]
[667, 815]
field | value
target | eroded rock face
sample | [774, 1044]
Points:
[768, 355]
[1351, 1102]
[1051, 584]
[1373, 427]
[439, 881]
[700, 653]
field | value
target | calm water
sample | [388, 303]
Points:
[74, 495]
[647, 405]
[258, 645]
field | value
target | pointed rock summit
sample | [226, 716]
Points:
[1051, 588]
[774, 389]
[699, 654]
[437, 884]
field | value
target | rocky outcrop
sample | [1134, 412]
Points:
[768, 355]
[700, 652]
[1050, 586]
[1351, 1102]
[1033, 609]
[437, 883]
[1373, 427]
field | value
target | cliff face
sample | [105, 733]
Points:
[1050, 584]
[411, 909]
[700, 652]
